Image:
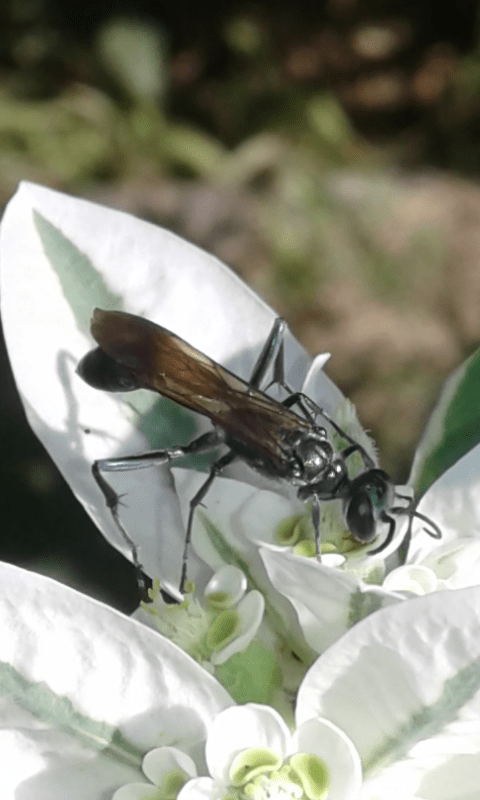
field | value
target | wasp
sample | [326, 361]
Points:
[280, 439]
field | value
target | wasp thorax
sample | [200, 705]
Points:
[315, 455]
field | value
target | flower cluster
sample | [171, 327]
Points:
[279, 674]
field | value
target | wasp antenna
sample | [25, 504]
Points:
[434, 531]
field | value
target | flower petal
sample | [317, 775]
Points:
[202, 789]
[332, 745]
[137, 791]
[404, 685]
[250, 613]
[412, 579]
[453, 503]
[453, 428]
[319, 387]
[86, 691]
[456, 564]
[328, 601]
[163, 760]
[242, 727]
[226, 587]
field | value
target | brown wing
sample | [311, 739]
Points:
[162, 361]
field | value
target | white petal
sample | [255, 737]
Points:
[202, 789]
[410, 578]
[332, 745]
[404, 685]
[457, 563]
[86, 691]
[319, 387]
[239, 728]
[229, 581]
[453, 503]
[327, 601]
[162, 760]
[134, 791]
[250, 612]
[262, 514]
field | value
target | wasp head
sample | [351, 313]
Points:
[369, 498]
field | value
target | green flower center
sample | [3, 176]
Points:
[258, 774]
[297, 531]
[292, 530]
[306, 547]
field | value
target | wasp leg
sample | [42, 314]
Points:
[311, 409]
[316, 526]
[215, 470]
[272, 352]
[153, 458]
[357, 448]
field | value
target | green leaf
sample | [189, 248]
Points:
[193, 149]
[454, 427]
[134, 53]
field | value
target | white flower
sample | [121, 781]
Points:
[87, 693]
[453, 565]
[252, 756]
[328, 602]
[211, 632]
[404, 685]
[167, 769]
[305, 600]
[240, 613]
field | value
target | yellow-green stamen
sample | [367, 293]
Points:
[222, 629]
[313, 774]
[252, 762]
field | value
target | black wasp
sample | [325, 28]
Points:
[269, 435]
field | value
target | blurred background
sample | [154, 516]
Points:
[327, 151]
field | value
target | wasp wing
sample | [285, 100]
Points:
[160, 360]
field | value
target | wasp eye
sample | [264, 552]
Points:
[360, 517]
[102, 372]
